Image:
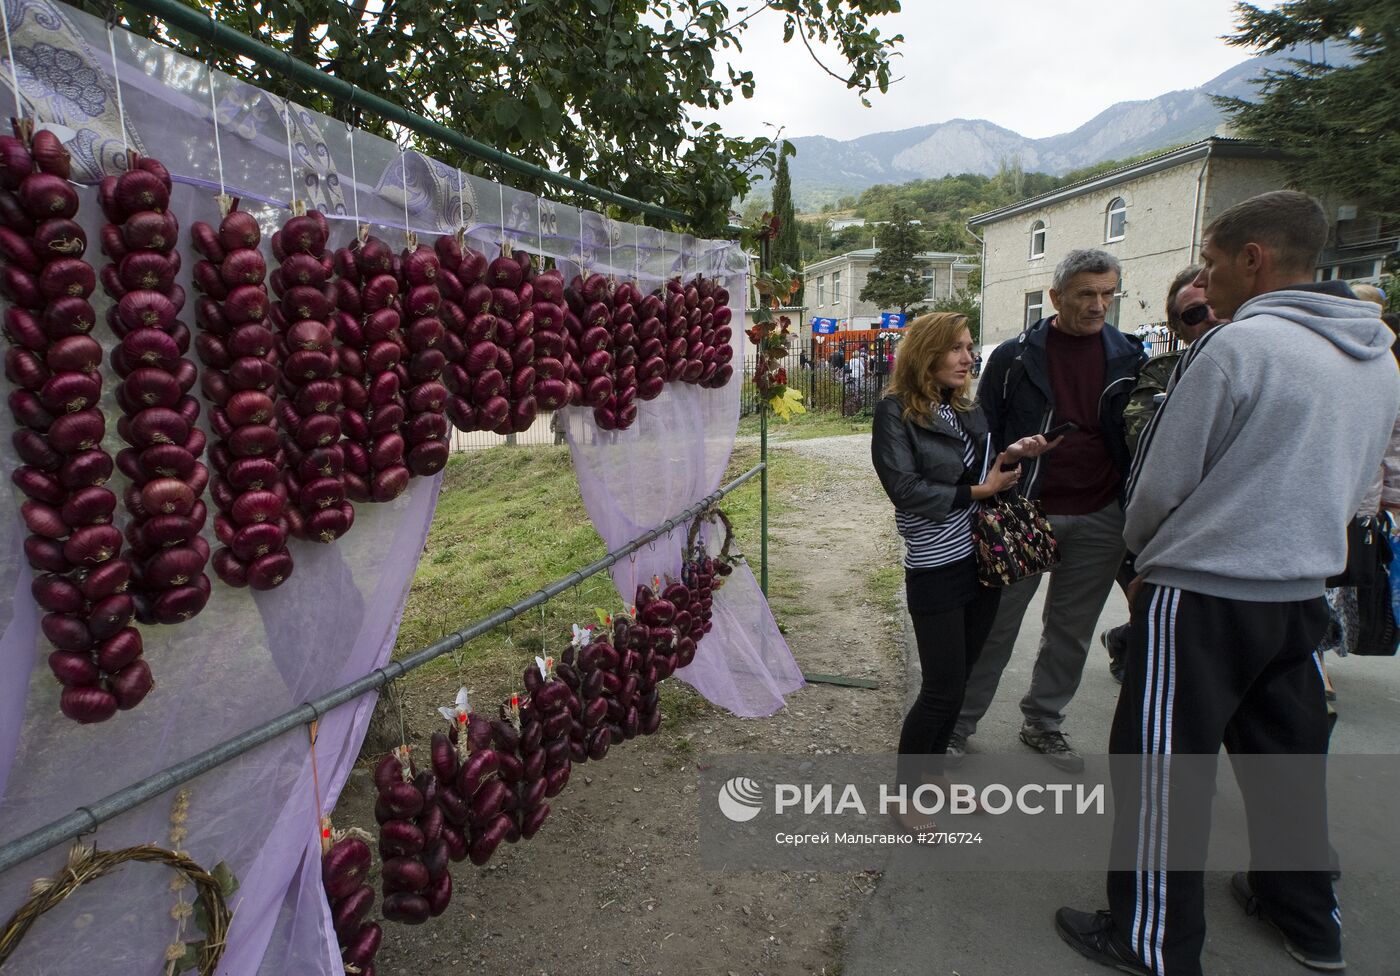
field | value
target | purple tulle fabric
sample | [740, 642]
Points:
[250, 657]
[636, 479]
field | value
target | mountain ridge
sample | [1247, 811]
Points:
[825, 169]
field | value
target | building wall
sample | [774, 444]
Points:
[1156, 243]
[1162, 236]
[854, 272]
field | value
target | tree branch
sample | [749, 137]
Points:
[802, 33]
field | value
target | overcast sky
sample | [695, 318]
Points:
[1036, 67]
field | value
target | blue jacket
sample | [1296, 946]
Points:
[1016, 399]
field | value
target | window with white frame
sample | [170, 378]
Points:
[836, 288]
[1111, 316]
[1038, 239]
[1035, 307]
[929, 284]
[1116, 220]
[1368, 269]
[821, 289]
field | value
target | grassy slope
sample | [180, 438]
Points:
[509, 521]
[806, 425]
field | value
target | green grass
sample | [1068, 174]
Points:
[509, 521]
[806, 425]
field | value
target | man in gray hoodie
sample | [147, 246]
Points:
[1238, 503]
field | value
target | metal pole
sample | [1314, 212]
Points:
[202, 25]
[763, 499]
[87, 818]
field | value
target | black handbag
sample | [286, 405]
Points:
[1368, 570]
[1014, 540]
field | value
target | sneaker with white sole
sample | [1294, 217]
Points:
[1094, 936]
[1051, 744]
[1326, 961]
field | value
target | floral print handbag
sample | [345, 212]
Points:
[1014, 540]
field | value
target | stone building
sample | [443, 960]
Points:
[1150, 215]
[832, 287]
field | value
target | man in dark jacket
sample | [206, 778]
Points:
[1072, 367]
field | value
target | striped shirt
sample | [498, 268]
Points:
[928, 543]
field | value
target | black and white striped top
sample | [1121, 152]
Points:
[928, 543]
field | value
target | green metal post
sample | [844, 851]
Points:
[763, 499]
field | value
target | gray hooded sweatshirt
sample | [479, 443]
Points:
[1244, 484]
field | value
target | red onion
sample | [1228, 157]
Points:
[427, 399]
[56, 366]
[371, 345]
[345, 861]
[235, 338]
[159, 419]
[307, 359]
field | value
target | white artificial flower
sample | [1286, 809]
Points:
[458, 714]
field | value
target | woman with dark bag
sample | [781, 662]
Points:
[934, 457]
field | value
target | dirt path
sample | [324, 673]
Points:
[612, 883]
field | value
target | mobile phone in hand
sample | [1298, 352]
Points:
[1068, 427]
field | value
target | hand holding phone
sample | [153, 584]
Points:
[1068, 427]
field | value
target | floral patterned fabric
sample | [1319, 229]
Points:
[1014, 540]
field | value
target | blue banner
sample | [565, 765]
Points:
[891, 320]
[823, 326]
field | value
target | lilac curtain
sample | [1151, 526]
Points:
[248, 657]
[671, 458]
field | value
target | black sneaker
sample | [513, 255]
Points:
[1115, 641]
[1051, 744]
[957, 751]
[1324, 962]
[1094, 936]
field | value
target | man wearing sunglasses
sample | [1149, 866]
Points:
[1189, 318]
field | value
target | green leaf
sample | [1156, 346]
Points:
[228, 881]
[190, 959]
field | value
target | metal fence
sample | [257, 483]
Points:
[846, 377]
[542, 432]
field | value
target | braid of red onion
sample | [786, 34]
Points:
[236, 345]
[311, 398]
[159, 416]
[55, 365]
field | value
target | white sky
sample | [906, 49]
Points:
[1038, 67]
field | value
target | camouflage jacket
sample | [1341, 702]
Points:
[1141, 402]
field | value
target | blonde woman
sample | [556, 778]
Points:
[935, 459]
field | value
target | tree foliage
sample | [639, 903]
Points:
[785, 249]
[601, 90]
[896, 278]
[1339, 125]
[965, 302]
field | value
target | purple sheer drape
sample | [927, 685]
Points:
[250, 657]
[671, 458]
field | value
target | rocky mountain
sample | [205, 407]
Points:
[825, 169]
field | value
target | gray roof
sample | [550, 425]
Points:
[1214, 146]
[868, 253]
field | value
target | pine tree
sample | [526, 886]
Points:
[1339, 125]
[896, 278]
[785, 249]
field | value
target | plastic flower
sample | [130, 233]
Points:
[457, 714]
[583, 636]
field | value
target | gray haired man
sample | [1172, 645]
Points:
[1073, 367]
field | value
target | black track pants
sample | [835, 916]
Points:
[1204, 671]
